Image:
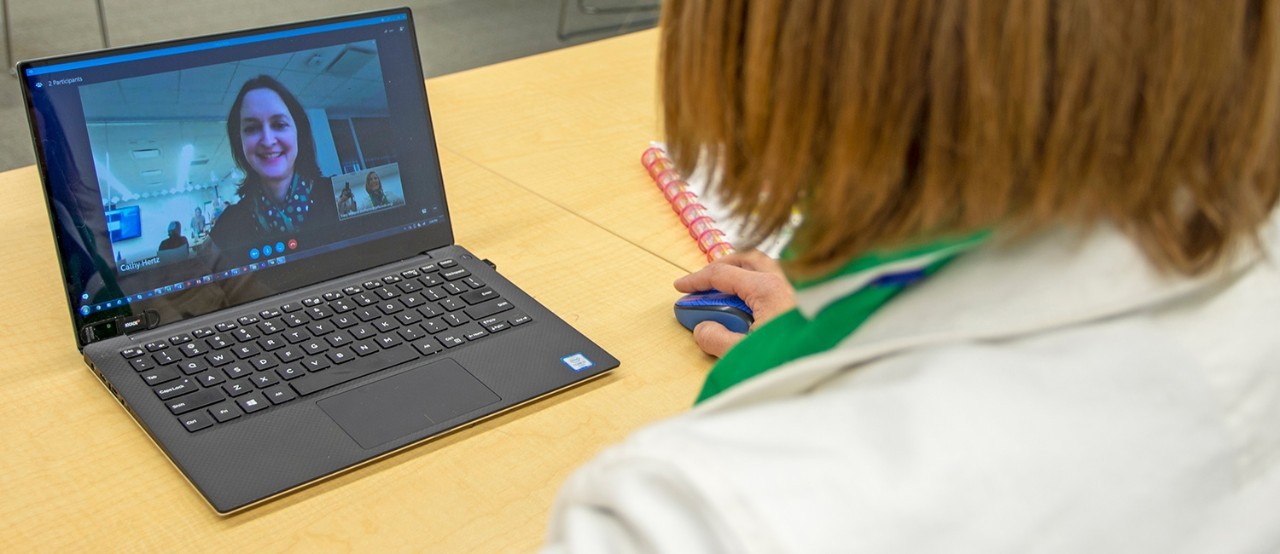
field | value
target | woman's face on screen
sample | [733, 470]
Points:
[268, 135]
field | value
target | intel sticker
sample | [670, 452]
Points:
[577, 362]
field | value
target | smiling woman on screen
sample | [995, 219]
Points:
[283, 191]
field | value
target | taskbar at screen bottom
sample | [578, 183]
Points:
[264, 257]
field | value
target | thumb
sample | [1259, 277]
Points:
[713, 338]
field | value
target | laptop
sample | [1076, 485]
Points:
[259, 260]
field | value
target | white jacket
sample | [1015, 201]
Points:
[1054, 396]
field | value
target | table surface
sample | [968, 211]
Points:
[541, 165]
[574, 137]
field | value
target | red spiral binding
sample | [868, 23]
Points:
[684, 202]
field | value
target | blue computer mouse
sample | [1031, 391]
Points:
[720, 307]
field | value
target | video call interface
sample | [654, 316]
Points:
[192, 190]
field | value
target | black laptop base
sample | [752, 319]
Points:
[262, 399]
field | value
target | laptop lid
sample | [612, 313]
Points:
[188, 176]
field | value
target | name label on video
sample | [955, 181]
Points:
[140, 264]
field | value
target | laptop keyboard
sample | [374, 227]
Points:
[214, 375]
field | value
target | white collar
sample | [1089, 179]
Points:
[1001, 291]
[813, 299]
[1057, 278]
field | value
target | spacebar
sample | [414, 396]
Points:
[355, 369]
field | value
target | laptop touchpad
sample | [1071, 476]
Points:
[406, 403]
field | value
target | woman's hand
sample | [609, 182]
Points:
[755, 278]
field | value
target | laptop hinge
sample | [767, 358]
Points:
[487, 261]
[122, 325]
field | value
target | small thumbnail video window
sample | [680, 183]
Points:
[367, 191]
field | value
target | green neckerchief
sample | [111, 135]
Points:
[830, 308]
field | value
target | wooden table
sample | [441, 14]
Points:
[575, 136]
[540, 158]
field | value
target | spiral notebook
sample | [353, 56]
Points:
[710, 224]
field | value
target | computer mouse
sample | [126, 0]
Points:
[720, 307]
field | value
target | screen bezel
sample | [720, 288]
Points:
[307, 271]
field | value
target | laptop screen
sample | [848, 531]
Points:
[189, 176]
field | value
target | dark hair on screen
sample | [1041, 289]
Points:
[305, 164]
